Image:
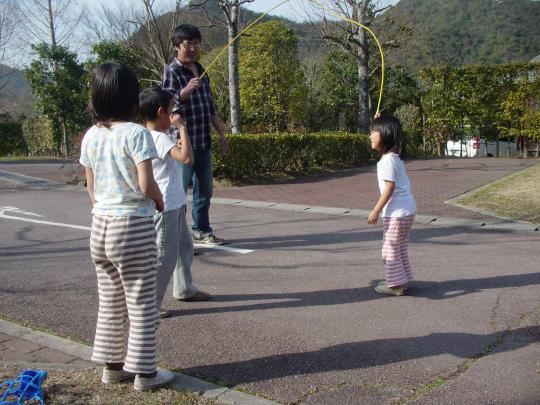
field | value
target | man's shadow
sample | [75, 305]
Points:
[419, 289]
[371, 353]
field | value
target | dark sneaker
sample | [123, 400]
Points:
[199, 296]
[208, 239]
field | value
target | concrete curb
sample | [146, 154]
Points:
[182, 382]
[500, 224]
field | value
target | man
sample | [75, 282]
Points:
[194, 101]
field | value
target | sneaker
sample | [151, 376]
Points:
[164, 313]
[199, 296]
[208, 239]
[385, 284]
[114, 376]
[163, 377]
[384, 289]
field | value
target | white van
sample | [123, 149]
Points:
[478, 147]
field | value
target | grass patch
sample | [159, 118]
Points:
[84, 387]
[516, 196]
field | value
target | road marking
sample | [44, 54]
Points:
[18, 211]
[87, 228]
[38, 221]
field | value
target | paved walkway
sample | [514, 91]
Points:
[433, 181]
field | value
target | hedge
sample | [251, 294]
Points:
[261, 154]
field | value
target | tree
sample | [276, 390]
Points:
[54, 22]
[442, 106]
[8, 23]
[231, 12]
[38, 134]
[219, 81]
[271, 82]
[57, 79]
[355, 40]
[141, 32]
[112, 51]
[338, 96]
[11, 137]
[520, 106]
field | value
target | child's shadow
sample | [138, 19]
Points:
[418, 289]
[359, 355]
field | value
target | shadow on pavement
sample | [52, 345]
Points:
[360, 355]
[418, 289]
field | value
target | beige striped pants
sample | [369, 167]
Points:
[124, 252]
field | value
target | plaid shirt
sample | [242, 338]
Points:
[197, 109]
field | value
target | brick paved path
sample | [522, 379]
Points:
[433, 182]
[14, 349]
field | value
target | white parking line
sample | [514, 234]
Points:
[38, 221]
[87, 228]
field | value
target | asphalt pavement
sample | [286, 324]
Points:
[294, 317]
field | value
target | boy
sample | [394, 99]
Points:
[175, 246]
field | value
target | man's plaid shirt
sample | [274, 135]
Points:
[197, 109]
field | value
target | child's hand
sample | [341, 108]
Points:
[373, 217]
[177, 120]
[160, 205]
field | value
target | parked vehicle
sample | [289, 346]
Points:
[479, 147]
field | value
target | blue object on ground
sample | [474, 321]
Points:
[27, 386]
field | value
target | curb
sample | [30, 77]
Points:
[501, 224]
[181, 382]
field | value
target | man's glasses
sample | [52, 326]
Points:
[191, 45]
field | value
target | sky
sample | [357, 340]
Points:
[293, 9]
[296, 10]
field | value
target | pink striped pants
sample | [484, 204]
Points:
[397, 269]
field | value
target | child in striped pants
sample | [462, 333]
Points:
[117, 156]
[396, 204]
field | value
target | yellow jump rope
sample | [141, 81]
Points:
[331, 12]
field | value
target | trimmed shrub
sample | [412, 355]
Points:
[262, 154]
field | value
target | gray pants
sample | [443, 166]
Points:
[175, 255]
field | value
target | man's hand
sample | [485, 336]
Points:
[223, 144]
[193, 84]
[373, 217]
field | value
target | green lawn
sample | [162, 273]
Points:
[516, 196]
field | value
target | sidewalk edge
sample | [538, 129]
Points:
[182, 382]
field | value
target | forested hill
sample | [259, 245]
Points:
[466, 31]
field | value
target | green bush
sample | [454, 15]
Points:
[262, 154]
[12, 142]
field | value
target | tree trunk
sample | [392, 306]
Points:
[65, 149]
[234, 88]
[363, 83]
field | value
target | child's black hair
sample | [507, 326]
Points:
[114, 94]
[150, 100]
[392, 138]
[185, 32]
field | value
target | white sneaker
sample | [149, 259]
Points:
[113, 376]
[163, 377]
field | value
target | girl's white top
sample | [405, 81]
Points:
[113, 155]
[167, 172]
[392, 168]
